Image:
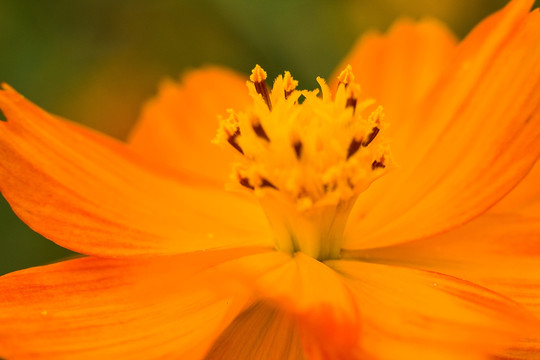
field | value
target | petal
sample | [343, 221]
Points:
[480, 138]
[397, 69]
[93, 195]
[524, 198]
[94, 308]
[498, 251]
[176, 128]
[414, 314]
[306, 288]
[262, 331]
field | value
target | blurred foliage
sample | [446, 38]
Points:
[96, 61]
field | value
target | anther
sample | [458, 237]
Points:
[297, 145]
[259, 130]
[346, 76]
[245, 183]
[371, 136]
[290, 84]
[229, 130]
[377, 115]
[232, 140]
[353, 92]
[378, 164]
[267, 183]
[258, 77]
[353, 147]
[351, 102]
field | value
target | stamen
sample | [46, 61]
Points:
[258, 77]
[371, 136]
[378, 164]
[259, 130]
[377, 115]
[351, 102]
[229, 129]
[354, 91]
[297, 145]
[308, 159]
[353, 147]
[346, 76]
[245, 182]
[232, 139]
[267, 183]
[290, 84]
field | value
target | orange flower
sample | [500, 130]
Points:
[437, 259]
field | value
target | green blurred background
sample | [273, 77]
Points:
[96, 61]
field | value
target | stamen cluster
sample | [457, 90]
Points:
[314, 150]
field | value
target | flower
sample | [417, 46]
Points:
[338, 236]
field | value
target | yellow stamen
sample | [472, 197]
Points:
[307, 160]
[258, 77]
[346, 76]
[289, 83]
[257, 74]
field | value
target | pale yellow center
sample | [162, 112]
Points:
[307, 155]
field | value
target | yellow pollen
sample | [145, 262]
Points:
[306, 155]
[290, 83]
[258, 77]
[257, 74]
[346, 76]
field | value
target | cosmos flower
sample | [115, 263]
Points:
[391, 214]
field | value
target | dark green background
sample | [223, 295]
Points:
[96, 61]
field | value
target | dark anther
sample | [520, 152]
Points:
[329, 187]
[262, 89]
[346, 85]
[259, 130]
[353, 147]
[267, 183]
[351, 102]
[371, 136]
[377, 164]
[245, 182]
[297, 145]
[232, 140]
[287, 94]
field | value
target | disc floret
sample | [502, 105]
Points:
[307, 155]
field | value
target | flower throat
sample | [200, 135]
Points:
[306, 157]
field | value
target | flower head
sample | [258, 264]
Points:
[318, 247]
[306, 157]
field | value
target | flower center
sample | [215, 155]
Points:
[306, 157]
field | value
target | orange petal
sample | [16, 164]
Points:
[498, 251]
[93, 195]
[176, 128]
[94, 308]
[414, 314]
[397, 69]
[262, 331]
[480, 137]
[309, 290]
[524, 198]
